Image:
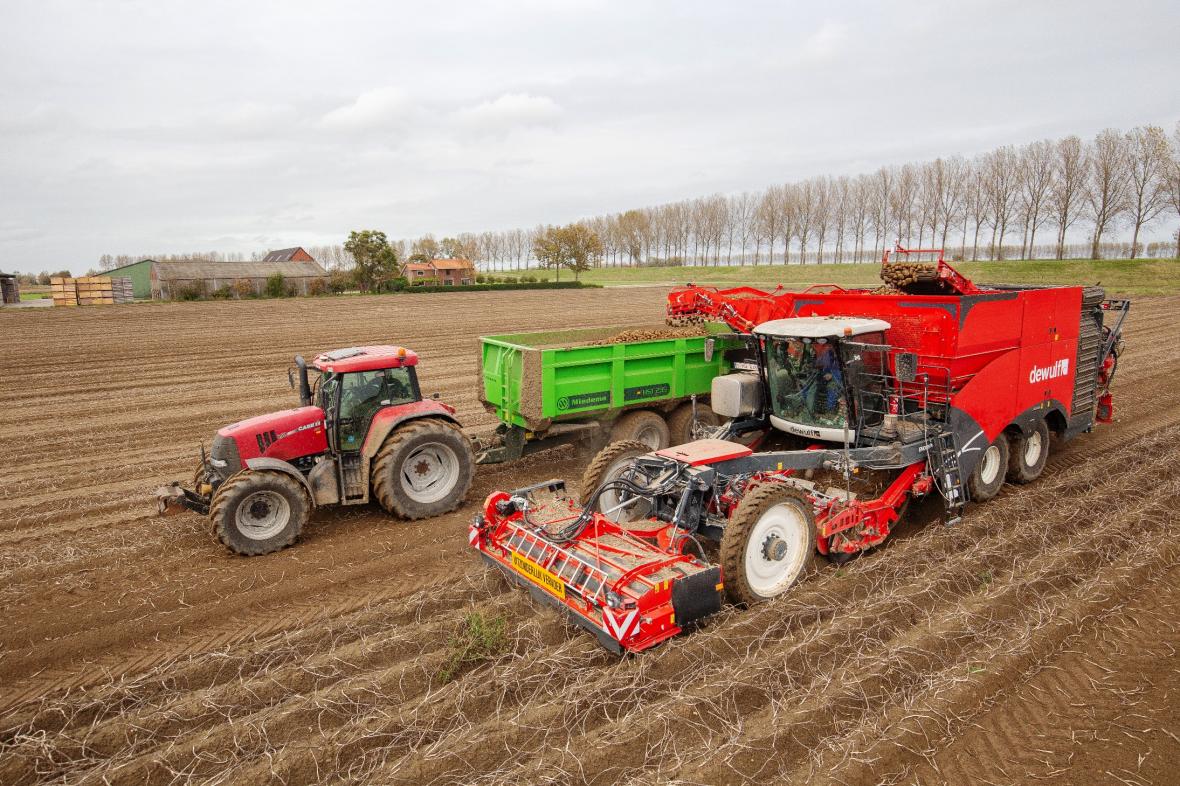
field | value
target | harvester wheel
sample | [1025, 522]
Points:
[988, 475]
[641, 426]
[423, 469]
[681, 420]
[257, 512]
[611, 463]
[768, 544]
[1027, 455]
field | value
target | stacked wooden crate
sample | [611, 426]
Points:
[95, 291]
[123, 289]
[64, 291]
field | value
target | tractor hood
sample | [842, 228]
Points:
[287, 435]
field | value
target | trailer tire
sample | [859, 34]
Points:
[681, 420]
[605, 465]
[259, 512]
[644, 426]
[776, 516]
[1027, 455]
[447, 465]
[988, 476]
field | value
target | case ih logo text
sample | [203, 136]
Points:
[1041, 373]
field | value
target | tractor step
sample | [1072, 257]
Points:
[631, 588]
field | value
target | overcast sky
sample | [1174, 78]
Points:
[239, 126]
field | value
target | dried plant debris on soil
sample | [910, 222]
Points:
[1035, 642]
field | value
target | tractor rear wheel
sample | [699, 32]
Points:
[1027, 455]
[768, 544]
[680, 422]
[424, 469]
[988, 476]
[257, 512]
[612, 463]
[644, 426]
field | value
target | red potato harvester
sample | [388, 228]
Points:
[878, 397]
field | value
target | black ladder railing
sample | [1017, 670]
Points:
[943, 460]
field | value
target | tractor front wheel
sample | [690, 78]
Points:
[768, 544]
[255, 513]
[424, 469]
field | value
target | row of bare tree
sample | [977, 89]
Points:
[994, 206]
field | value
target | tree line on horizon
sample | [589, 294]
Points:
[994, 206]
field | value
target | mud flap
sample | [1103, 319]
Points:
[697, 596]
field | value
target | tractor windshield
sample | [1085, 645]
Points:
[807, 382]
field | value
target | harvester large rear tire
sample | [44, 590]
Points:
[681, 420]
[424, 469]
[608, 464]
[259, 512]
[768, 545]
[1027, 455]
[644, 426]
[988, 476]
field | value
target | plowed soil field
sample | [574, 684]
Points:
[1035, 642]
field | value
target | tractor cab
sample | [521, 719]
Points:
[356, 383]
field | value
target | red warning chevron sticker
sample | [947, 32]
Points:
[621, 625]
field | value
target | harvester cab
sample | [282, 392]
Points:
[362, 430]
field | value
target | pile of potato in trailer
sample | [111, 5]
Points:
[844, 406]
[90, 290]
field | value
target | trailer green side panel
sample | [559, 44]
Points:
[533, 379]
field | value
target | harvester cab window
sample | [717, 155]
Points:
[363, 394]
[807, 382]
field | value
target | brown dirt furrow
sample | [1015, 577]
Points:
[1034, 641]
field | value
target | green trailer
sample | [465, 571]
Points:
[575, 385]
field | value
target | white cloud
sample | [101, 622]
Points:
[374, 109]
[510, 110]
[825, 43]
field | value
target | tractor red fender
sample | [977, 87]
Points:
[278, 465]
[389, 418]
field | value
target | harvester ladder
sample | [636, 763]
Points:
[579, 574]
[943, 459]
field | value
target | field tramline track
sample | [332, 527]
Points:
[313, 666]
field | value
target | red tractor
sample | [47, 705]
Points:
[362, 430]
[855, 403]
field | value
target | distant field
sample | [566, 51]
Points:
[1123, 276]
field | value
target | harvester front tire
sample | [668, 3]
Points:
[768, 545]
[255, 513]
[424, 469]
[1027, 455]
[681, 420]
[641, 426]
[606, 466]
[987, 478]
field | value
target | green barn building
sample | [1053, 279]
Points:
[140, 274]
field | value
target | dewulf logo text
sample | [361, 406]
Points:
[1058, 369]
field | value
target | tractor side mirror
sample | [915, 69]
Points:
[906, 366]
[710, 346]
